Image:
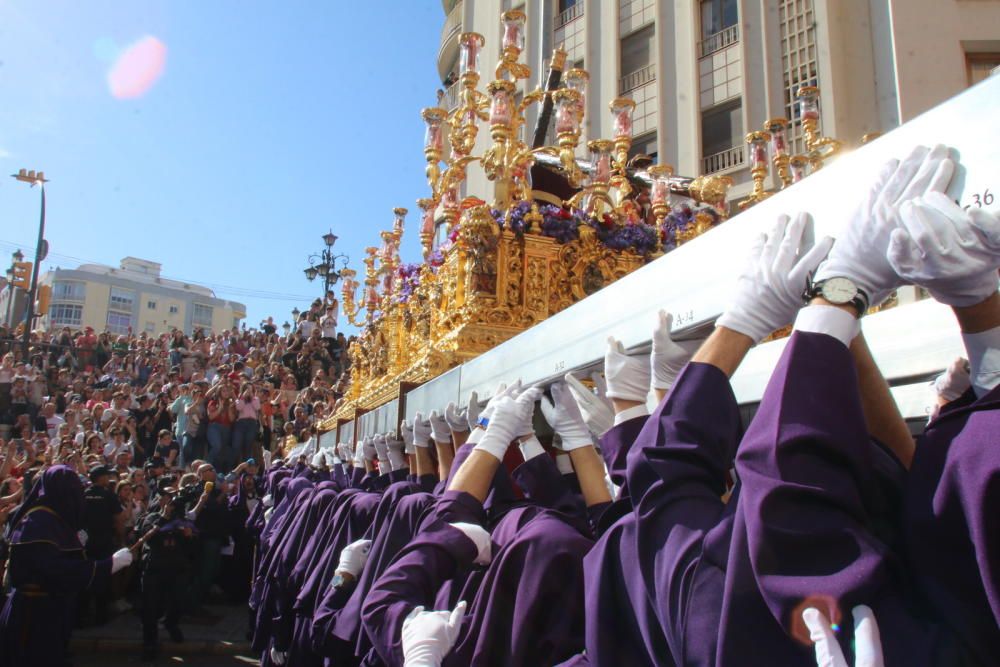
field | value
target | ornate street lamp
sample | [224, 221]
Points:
[323, 264]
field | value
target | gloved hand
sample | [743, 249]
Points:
[83, 537]
[472, 411]
[502, 391]
[595, 408]
[952, 253]
[353, 557]
[627, 377]
[563, 415]
[421, 431]
[429, 635]
[120, 560]
[406, 431]
[278, 657]
[268, 501]
[345, 451]
[954, 382]
[369, 448]
[769, 290]
[860, 250]
[481, 538]
[508, 422]
[397, 451]
[359, 455]
[439, 428]
[456, 418]
[867, 643]
[668, 357]
[381, 447]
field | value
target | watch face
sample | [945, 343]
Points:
[839, 290]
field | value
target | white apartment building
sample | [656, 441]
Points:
[705, 72]
[133, 296]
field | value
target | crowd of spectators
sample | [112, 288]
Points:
[150, 421]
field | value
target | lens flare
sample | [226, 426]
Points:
[138, 68]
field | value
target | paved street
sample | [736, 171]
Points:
[219, 640]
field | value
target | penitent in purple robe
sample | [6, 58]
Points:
[951, 525]
[811, 496]
[46, 570]
[527, 608]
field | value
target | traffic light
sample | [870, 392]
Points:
[22, 275]
[43, 299]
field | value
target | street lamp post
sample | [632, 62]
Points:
[34, 179]
[323, 264]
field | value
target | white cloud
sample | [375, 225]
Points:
[4, 153]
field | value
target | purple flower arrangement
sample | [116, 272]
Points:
[680, 218]
[638, 237]
[408, 276]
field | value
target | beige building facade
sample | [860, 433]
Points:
[133, 295]
[703, 73]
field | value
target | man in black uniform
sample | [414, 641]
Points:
[103, 522]
[166, 556]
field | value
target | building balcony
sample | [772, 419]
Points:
[448, 53]
[569, 14]
[732, 158]
[637, 78]
[720, 40]
[450, 99]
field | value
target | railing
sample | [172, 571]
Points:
[569, 14]
[727, 159]
[637, 78]
[451, 29]
[450, 99]
[720, 40]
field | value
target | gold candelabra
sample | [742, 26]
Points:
[820, 148]
[757, 145]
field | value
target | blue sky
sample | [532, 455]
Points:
[271, 123]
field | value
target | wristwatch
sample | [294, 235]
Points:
[839, 291]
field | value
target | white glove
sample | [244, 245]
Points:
[502, 391]
[318, 460]
[397, 449]
[353, 557]
[268, 501]
[472, 411]
[429, 635]
[345, 451]
[369, 448]
[406, 431]
[597, 411]
[120, 560]
[381, 447]
[421, 431]
[481, 538]
[456, 418]
[508, 422]
[439, 428]
[953, 382]
[82, 536]
[859, 253]
[668, 357]
[953, 254]
[769, 290]
[359, 455]
[278, 657]
[867, 643]
[627, 377]
[563, 415]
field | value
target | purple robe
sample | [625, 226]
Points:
[46, 570]
[811, 491]
[952, 496]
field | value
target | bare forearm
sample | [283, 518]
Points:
[445, 455]
[882, 416]
[981, 317]
[725, 349]
[476, 475]
[425, 465]
[590, 473]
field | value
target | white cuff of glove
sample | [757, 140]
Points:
[384, 466]
[983, 349]
[829, 320]
[493, 446]
[564, 464]
[530, 448]
[397, 459]
[631, 413]
[480, 537]
[476, 435]
[120, 560]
